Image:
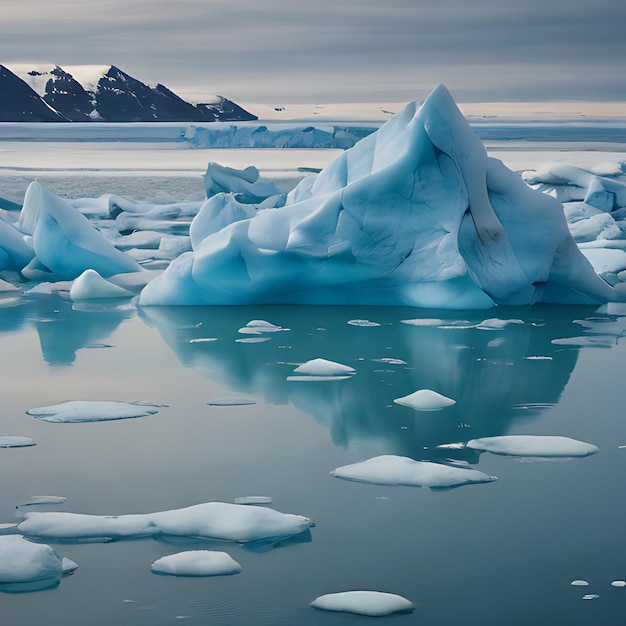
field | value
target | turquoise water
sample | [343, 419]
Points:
[488, 554]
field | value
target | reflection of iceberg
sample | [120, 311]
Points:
[489, 374]
[414, 214]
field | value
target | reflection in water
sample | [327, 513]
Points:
[64, 327]
[498, 370]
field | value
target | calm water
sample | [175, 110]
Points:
[488, 554]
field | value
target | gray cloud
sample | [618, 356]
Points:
[292, 50]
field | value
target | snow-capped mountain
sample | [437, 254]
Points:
[84, 93]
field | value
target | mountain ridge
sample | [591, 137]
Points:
[104, 93]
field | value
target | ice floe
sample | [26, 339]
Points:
[425, 400]
[15, 441]
[92, 411]
[196, 563]
[210, 520]
[533, 446]
[91, 286]
[28, 566]
[373, 603]
[36, 500]
[320, 370]
[579, 583]
[399, 470]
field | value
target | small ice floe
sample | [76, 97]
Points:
[252, 340]
[91, 286]
[533, 446]
[618, 583]
[27, 566]
[538, 357]
[425, 400]
[495, 323]
[257, 327]
[390, 361]
[402, 471]
[591, 596]
[196, 563]
[15, 441]
[35, 500]
[423, 322]
[210, 520]
[321, 369]
[6, 287]
[75, 411]
[253, 500]
[204, 340]
[231, 402]
[374, 603]
[579, 583]
[363, 323]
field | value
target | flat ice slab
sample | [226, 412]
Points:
[373, 603]
[91, 411]
[210, 520]
[533, 446]
[196, 563]
[15, 441]
[425, 400]
[400, 470]
[27, 566]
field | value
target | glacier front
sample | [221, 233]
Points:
[414, 214]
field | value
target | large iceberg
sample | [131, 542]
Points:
[414, 214]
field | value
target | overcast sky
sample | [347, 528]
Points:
[290, 51]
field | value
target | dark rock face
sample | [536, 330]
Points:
[19, 103]
[117, 97]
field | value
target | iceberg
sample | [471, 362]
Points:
[414, 214]
[533, 446]
[398, 470]
[65, 244]
[28, 566]
[210, 520]
[196, 563]
[245, 184]
[75, 411]
[91, 286]
[373, 603]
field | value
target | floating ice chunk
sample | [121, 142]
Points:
[400, 470]
[579, 583]
[27, 566]
[256, 327]
[374, 603]
[313, 378]
[253, 500]
[495, 323]
[43, 500]
[364, 323]
[423, 322]
[15, 441]
[91, 286]
[245, 183]
[210, 520]
[425, 400]
[231, 402]
[591, 596]
[390, 361]
[91, 411]
[322, 367]
[533, 446]
[618, 583]
[230, 522]
[252, 340]
[196, 563]
[64, 241]
[6, 287]
[204, 340]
